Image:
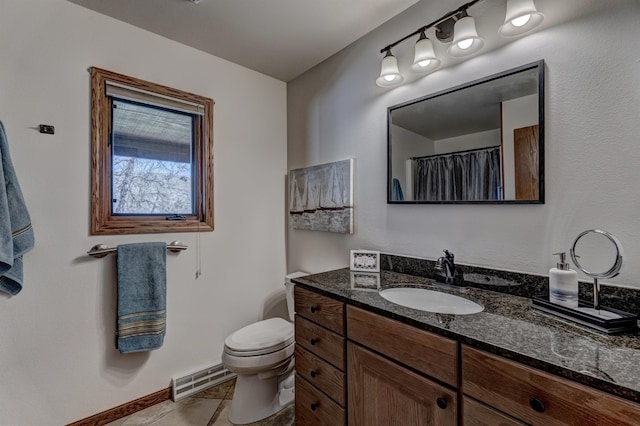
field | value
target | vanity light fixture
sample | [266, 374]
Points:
[522, 16]
[466, 40]
[389, 73]
[459, 29]
[425, 59]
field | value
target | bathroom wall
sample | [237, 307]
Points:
[406, 145]
[336, 111]
[58, 363]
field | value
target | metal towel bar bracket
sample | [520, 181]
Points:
[101, 250]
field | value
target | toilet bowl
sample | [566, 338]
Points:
[261, 354]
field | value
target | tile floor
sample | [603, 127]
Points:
[207, 408]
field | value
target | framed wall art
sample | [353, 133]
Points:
[321, 197]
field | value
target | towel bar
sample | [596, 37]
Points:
[101, 250]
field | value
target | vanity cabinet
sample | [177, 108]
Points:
[539, 398]
[320, 359]
[358, 367]
[384, 392]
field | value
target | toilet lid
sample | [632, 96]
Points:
[267, 334]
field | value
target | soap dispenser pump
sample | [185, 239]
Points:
[563, 284]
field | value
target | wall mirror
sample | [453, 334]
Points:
[481, 142]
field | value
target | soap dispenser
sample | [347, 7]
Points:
[563, 284]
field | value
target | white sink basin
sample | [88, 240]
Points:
[431, 301]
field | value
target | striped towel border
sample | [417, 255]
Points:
[141, 324]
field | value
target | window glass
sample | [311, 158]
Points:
[152, 160]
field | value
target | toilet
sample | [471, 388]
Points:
[261, 354]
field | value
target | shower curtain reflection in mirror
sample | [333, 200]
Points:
[463, 176]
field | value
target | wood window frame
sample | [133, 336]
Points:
[103, 222]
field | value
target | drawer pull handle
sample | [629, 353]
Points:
[442, 403]
[314, 373]
[314, 406]
[314, 308]
[313, 341]
[537, 404]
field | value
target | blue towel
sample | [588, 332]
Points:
[142, 294]
[16, 233]
[397, 191]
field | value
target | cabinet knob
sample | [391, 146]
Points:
[314, 406]
[537, 404]
[313, 341]
[314, 308]
[442, 403]
[313, 373]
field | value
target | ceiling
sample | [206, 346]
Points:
[285, 38]
[279, 38]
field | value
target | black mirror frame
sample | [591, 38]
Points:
[540, 65]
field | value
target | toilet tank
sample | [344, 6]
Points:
[289, 289]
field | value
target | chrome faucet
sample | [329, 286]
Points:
[446, 263]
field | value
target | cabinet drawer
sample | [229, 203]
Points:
[322, 342]
[429, 353]
[475, 413]
[539, 398]
[321, 374]
[320, 309]
[315, 408]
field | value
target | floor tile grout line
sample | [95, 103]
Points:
[213, 418]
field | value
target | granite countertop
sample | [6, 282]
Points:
[509, 327]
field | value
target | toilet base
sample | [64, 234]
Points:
[256, 398]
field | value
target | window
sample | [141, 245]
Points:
[152, 157]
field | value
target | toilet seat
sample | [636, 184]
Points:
[257, 363]
[260, 338]
[258, 352]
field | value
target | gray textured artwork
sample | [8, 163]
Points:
[321, 197]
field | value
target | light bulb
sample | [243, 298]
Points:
[389, 77]
[518, 22]
[465, 44]
[424, 64]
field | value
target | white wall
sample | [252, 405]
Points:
[591, 147]
[407, 144]
[57, 358]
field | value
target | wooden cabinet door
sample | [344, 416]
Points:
[383, 393]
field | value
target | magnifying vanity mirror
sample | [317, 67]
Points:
[598, 254]
[481, 142]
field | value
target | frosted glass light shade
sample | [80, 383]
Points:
[425, 59]
[465, 38]
[389, 73]
[516, 22]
